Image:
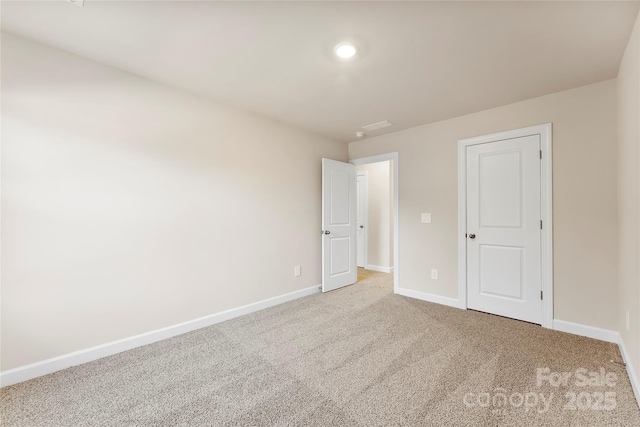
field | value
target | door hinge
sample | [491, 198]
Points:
[540, 224]
[540, 294]
[540, 153]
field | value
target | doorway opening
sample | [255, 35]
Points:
[377, 206]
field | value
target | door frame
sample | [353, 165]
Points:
[393, 158]
[365, 230]
[546, 211]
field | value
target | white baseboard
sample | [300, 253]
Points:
[586, 331]
[424, 296]
[27, 372]
[379, 268]
[603, 335]
[635, 383]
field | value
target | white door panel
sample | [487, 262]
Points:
[500, 189]
[338, 224]
[503, 227]
[501, 271]
[340, 248]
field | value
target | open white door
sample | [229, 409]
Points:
[338, 225]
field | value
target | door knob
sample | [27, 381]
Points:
[362, 226]
[327, 232]
[472, 236]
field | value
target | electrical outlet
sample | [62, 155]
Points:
[627, 321]
[434, 273]
[79, 3]
[296, 271]
[425, 218]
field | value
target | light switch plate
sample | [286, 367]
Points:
[425, 218]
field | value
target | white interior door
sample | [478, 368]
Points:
[361, 191]
[503, 228]
[339, 220]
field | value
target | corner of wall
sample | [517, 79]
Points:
[628, 145]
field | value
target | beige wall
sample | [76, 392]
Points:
[629, 196]
[380, 216]
[128, 206]
[584, 185]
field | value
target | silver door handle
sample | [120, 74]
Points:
[472, 236]
[327, 232]
[362, 226]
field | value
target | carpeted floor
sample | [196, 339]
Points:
[359, 356]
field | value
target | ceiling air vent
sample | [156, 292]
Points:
[379, 125]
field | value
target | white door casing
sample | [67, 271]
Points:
[339, 221]
[505, 204]
[362, 193]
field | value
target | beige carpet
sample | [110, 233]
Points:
[359, 356]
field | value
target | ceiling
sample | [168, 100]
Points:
[418, 62]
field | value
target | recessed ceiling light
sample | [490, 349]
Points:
[345, 50]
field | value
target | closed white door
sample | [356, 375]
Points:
[339, 221]
[361, 191]
[504, 228]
